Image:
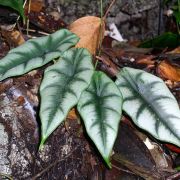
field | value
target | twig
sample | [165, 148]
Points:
[124, 170]
[36, 31]
[174, 176]
[7, 176]
[101, 33]
[29, 10]
[111, 67]
[109, 8]
[53, 164]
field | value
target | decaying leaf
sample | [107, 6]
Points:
[169, 71]
[90, 29]
[175, 51]
[137, 156]
[13, 37]
[107, 65]
[72, 114]
[146, 60]
[35, 6]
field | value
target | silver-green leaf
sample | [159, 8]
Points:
[62, 86]
[100, 107]
[150, 104]
[36, 53]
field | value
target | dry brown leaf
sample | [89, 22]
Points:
[89, 30]
[35, 6]
[13, 37]
[168, 71]
[175, 51]
[72, 114]
[146, 60]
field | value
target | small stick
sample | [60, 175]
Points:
[6, 175]
[29, 10]
[109, 8]
[174, 176]
[121, 169]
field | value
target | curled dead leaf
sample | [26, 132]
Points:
[35, 6]
[72, 114]
[175, 51]
[13, 37]
[146, 60]
[90, 30]
[169, 71]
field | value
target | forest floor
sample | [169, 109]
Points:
[69, 153]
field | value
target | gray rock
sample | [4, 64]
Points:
[141, 16]
[64, 152]
[121, 17]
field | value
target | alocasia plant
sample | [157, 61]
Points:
[100, 107]
[62, 86]
[72, 81]
[150, 104]
[36, 53]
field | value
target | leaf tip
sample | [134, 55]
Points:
[41, 146]
[108, 163]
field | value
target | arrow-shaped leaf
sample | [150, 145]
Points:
[35, 53]
[150, 104]
[62, 86]
[100, 108]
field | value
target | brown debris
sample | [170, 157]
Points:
[90, 30]
[13, 37]
[68, 154]
[35, 6]
[168, 71]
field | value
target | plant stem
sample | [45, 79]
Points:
[103, 17]
[178, 25]
[6, 176]
[29, 9]
[101, 27]
[100, 31]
